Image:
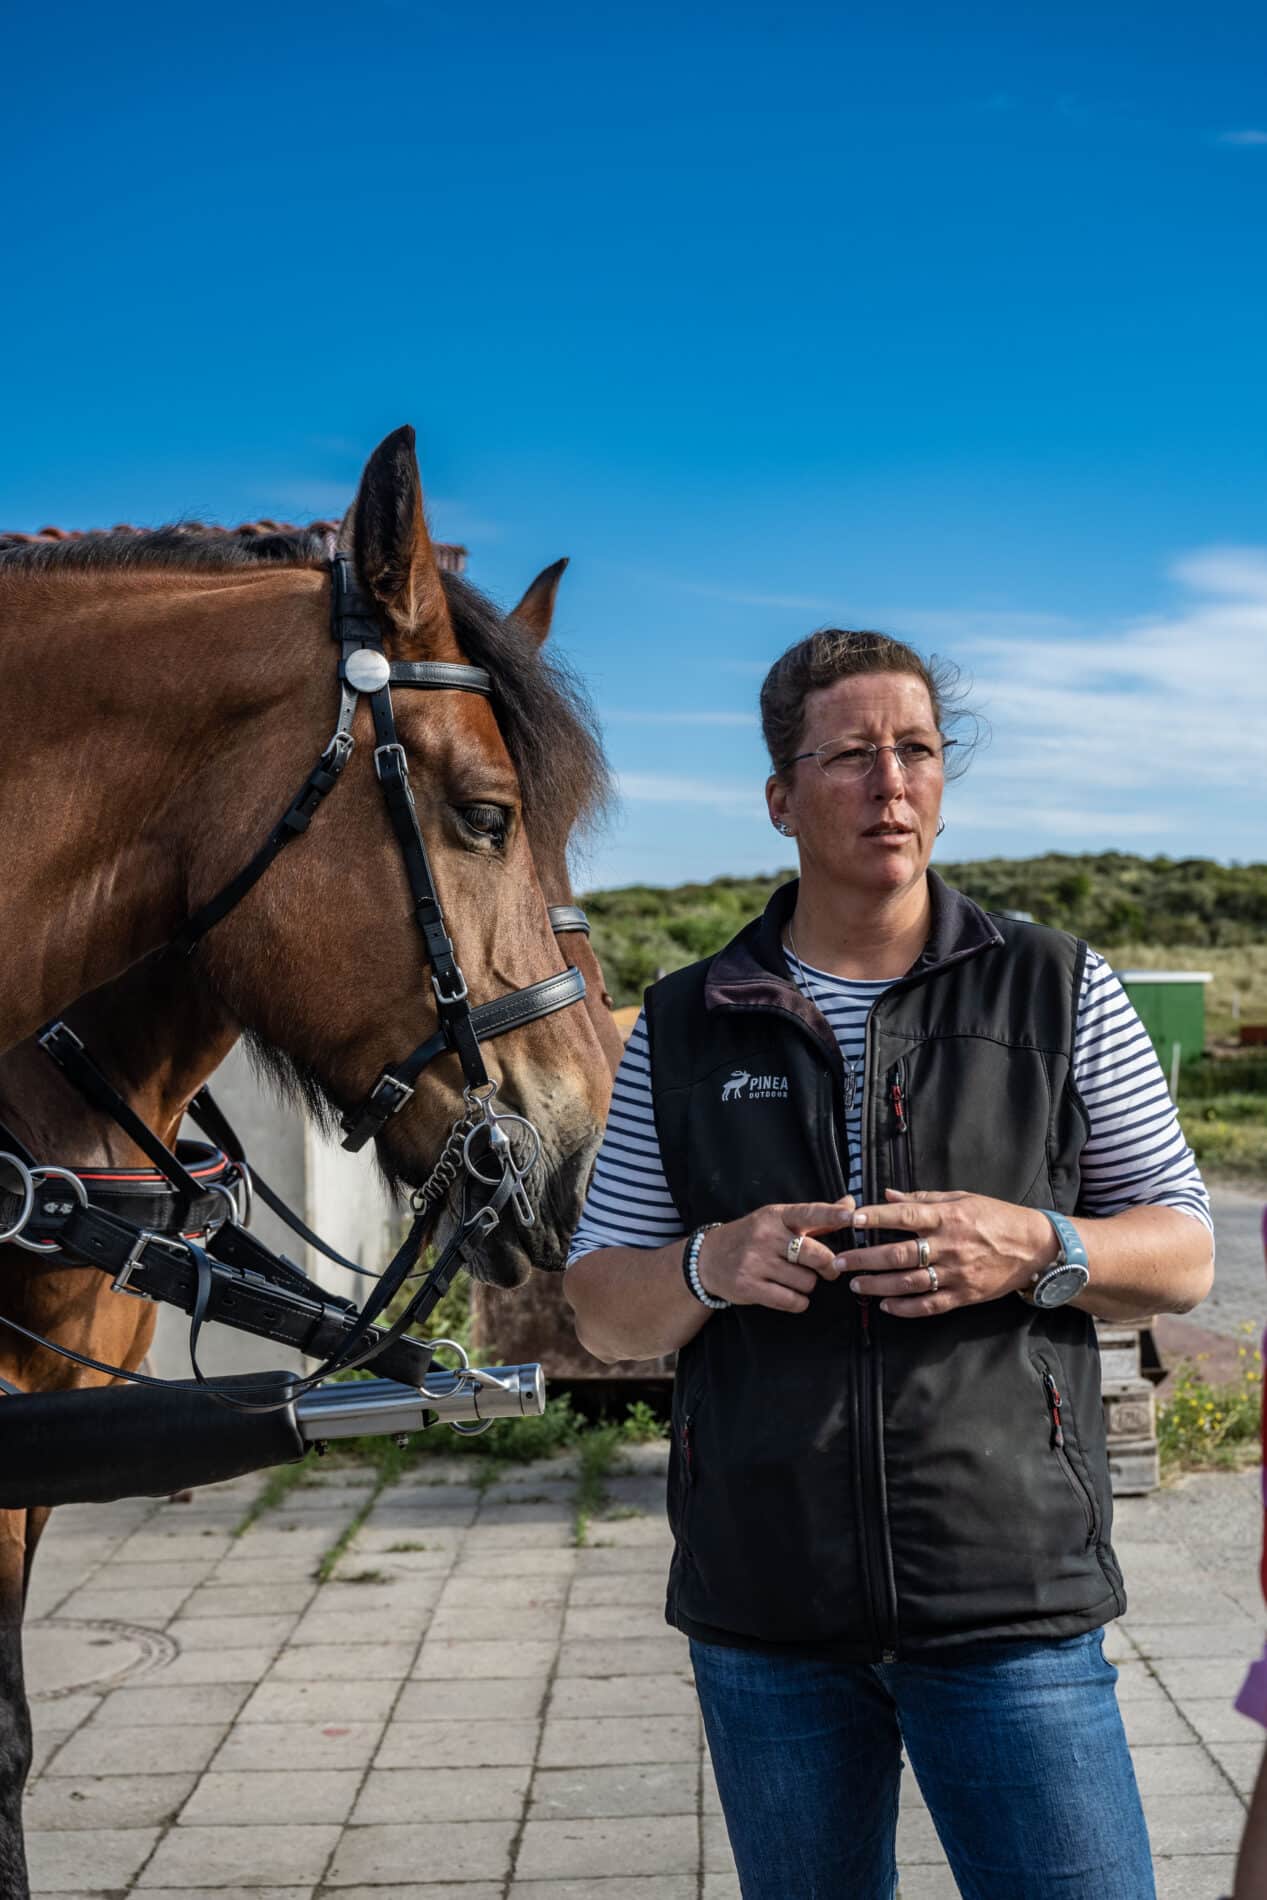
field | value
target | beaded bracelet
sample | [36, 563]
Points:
[690, 1268]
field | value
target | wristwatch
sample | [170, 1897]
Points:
[1068, 1273]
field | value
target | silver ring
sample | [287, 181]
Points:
[38, 1177]
[925, 1253]
[932, 1279]
[28, 1195]
[792, 1251]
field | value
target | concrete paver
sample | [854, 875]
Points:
[499, 1715]
[559, 1850]
[428, 1793]
[241, 1856]
[448, 1850]
[254, 1797]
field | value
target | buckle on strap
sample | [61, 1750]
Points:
[458, 994]
[122, 1282]
[397, 768]
[387, 1097]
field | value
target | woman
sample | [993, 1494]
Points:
[871, 1170]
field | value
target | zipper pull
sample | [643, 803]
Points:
[1053, 1404]
[898, 1098]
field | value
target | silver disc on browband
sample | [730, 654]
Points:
[367, 670]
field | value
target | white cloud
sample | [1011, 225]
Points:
[1250, 136]
[1147, 732]
[618, 717]
[732, 798]
[1167, 710]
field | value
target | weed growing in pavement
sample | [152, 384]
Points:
[280, 1480]
[599, 1449]
[1204, 1427]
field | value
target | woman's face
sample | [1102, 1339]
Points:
[875, 833]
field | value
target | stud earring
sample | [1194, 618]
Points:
[784, 830]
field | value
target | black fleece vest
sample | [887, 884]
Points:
[841, 1480]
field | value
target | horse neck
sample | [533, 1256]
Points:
[118, 688]
[154, 1032]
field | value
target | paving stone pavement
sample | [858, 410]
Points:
[473, 1708]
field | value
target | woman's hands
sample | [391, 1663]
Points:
[746, 1261]
[978, 1249]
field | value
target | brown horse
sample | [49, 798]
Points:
[159, 1031]
[164, 698]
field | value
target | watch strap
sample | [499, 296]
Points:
[1072, 1252]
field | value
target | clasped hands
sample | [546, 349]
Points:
[979, 1248]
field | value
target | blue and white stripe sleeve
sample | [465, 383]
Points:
[1135, 1154]
[629, 1203]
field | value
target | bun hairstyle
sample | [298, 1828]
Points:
[837, 653]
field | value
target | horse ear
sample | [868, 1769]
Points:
[385, 532]
[536, 610]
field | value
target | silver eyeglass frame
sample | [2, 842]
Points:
[875, 751]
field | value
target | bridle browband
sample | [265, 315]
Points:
[196, 1276]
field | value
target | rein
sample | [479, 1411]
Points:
[234, 1277]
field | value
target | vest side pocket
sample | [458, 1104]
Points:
[1062, 1433]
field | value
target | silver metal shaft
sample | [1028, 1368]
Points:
[360, 1408]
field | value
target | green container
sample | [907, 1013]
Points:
[1171, 1006]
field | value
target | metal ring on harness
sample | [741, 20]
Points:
[28, 1196]
[38, 1175]
[468, 1374]
[246, 1181]
[500, 1146]
[233, 1217]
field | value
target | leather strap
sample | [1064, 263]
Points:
[206, 1113]
[59, 1041]
[441, 673]
[565, 917]
[395, 1085]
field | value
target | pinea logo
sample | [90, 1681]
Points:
[743, 1087]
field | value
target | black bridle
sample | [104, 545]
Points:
[185, 1271]
[364, 668]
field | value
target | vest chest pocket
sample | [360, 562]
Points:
[900, 1168]
[1059, 1423]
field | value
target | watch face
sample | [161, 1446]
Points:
[1061, 1284]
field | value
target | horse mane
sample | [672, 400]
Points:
[186, 544]
[545, 717]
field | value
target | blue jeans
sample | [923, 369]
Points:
[1018, 1749]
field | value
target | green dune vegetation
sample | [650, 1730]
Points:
[1141, 913]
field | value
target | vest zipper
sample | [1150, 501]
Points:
[900, 1141]
[1057, 1441]
[875, 1526]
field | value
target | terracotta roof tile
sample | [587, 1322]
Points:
[449, 555]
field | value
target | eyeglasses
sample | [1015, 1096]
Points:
[854, 758]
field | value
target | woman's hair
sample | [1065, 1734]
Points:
[835, 653]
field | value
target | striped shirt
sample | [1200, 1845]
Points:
[1135, 1152]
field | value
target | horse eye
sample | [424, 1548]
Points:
[487, 821]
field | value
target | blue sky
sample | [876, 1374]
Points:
[945, 320]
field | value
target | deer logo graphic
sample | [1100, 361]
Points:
[738, 1082]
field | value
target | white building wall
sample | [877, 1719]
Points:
[341, 1196]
